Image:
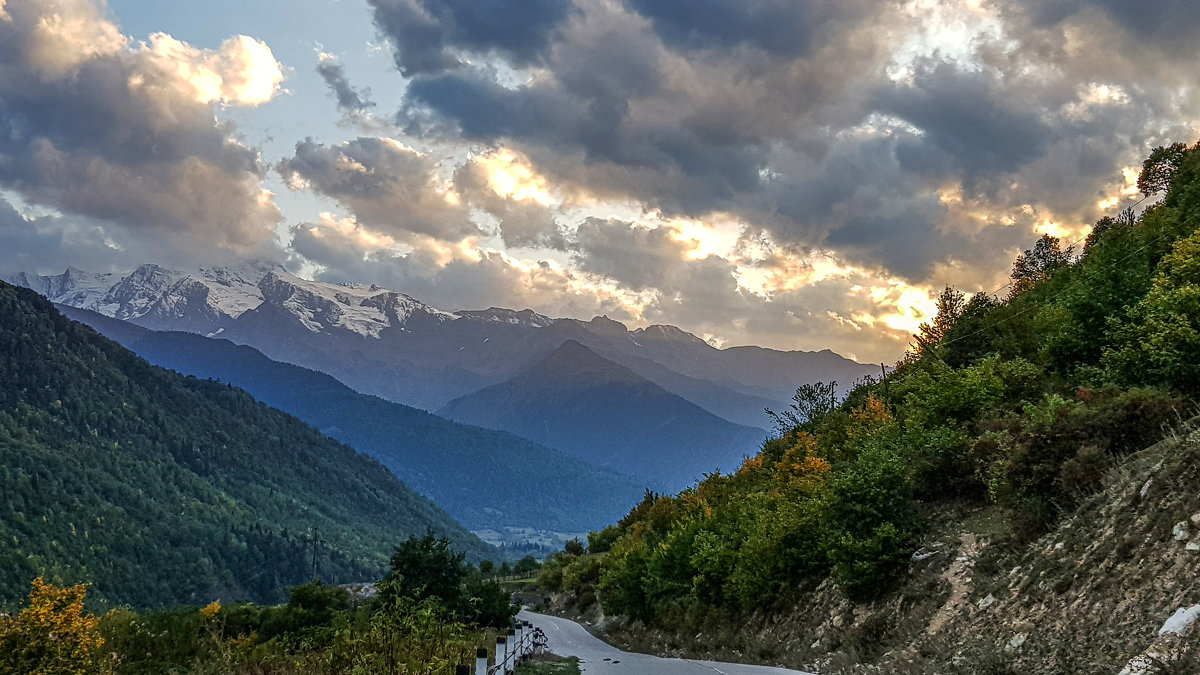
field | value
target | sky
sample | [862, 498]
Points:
[798, 174]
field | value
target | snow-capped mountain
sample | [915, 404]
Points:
[209, 299]
[389, 344]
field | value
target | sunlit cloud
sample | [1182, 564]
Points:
[511, 176]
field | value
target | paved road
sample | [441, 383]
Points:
[568, 638]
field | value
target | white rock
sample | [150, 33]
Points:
[1180, 531]
[987, 602]
[1181, 621]
[1146, 488]
[922, 554]
[1195, 519]
[1193, 546]
[1017, 641]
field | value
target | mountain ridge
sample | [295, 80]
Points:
[600, 411]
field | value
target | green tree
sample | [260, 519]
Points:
[1038, 263]
[1160, 168]
[1159, 342]
[810, 403]
[426, 567]
[950, 306]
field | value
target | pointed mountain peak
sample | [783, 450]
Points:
[573, 360]
[602, 325]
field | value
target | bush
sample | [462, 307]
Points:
[602, 541]
[53, 634]
[870, 524]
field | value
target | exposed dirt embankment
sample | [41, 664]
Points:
[1086, 598]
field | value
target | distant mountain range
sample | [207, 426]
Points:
[607, 414]
[164, 489]
[485, 479]
[697, 408]
[385, 343]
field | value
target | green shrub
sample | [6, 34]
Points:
[870, 524]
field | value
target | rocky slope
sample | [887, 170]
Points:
[1113, 586]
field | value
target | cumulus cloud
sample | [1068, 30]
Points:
[451, 276]
[108, 130]
[387, 185]
[503, 185]
[242, 72]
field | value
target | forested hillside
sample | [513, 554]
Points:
[1012, 404]
[161, 489]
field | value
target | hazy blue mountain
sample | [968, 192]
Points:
[482, 477]
[603, 412]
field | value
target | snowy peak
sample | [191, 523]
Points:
[366, 310]
[135, 294]
[72, 287]
[524, 317]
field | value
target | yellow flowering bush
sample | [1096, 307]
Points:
[52, 635]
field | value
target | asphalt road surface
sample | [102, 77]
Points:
[567, 638]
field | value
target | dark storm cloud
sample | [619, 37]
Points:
[784, 27]
[90, 127]
[963, 115]
[1157, 21]
[349, 99]
[904, 238]
[388, 186]
[638, 257]
[426, 33]
[618, 114]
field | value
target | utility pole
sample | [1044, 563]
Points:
[315, 542]
[883, 369]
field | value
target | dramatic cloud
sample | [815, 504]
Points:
[831, 124]
[389, 186]
[503, 186]
[97, 126]
[427, 33]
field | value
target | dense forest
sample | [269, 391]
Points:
[160, 489]
[1018, 400]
